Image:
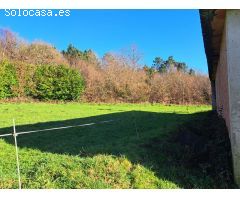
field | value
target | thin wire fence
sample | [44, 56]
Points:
[15, 134]
[57, 128]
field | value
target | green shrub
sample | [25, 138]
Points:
[56, 83]
[8, 80]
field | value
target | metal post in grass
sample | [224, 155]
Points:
[17, 159]
[135, 125]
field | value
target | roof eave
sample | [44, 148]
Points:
[212, 22]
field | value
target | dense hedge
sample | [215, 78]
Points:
[56, 82]
[8, 80]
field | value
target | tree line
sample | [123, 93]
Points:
[39, 71]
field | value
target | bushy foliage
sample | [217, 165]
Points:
[117, 77]
[116, 82]
[56, 83]
[16, 49]
[8, 80]
[40, 53]
[8, 44]
[180, 88]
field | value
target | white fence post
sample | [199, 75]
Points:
[16, 148]
[15, 134]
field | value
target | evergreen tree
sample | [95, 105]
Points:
[72, 54]
[160, 65]
[191, 72]
[182, 67]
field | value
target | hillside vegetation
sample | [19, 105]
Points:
[117, 77]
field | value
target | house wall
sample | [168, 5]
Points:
[232, 24]
[221, 83]
[227, 84]
[226, 81]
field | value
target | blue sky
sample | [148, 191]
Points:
[155, 32]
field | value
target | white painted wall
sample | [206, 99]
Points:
[233, 66]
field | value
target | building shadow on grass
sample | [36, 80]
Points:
[191, 150]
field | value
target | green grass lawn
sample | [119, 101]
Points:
[111, 155]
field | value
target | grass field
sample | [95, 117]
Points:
[125, 153]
